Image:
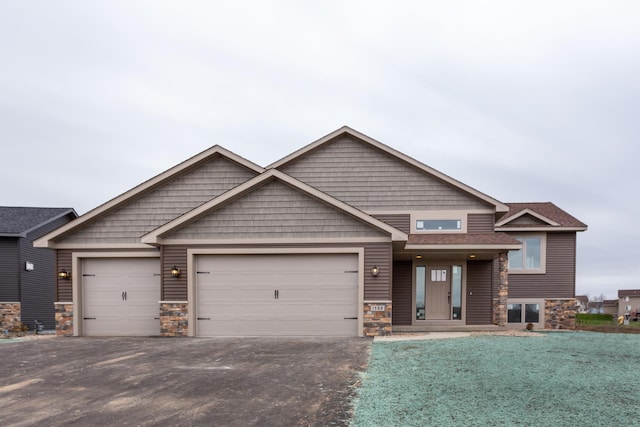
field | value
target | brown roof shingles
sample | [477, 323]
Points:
[628, 293]
[462, 239]
[546, 209]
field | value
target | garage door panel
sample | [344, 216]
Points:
[120, 296]
[315, 293]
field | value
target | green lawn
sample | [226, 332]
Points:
[559, 379]
[605, 323]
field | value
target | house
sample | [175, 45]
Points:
[582, 302]
[346, 236]
[629, 302]
[26, 294]
[610, 306]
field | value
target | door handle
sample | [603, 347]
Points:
[276, 294]
[122, 296]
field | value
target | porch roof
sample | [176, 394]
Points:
[494, 241]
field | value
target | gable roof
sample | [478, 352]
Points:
[547, 217]
[156, 235]
[19, 221]
[345, 130]
[216, 150]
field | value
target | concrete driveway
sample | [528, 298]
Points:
[180, 382]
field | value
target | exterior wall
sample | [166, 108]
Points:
[402, 293]
[9, 316]
[9, 265]
[479, 296]
[64, 318]
[372, 180]
[377, 318]
[275, 211]
[64, 288]
[164, 203]
[560, 313]
[559, 279]
[174, 319]
[400, 221]
[480, 223]
[634, 302]
[174, 288]
[379, 287]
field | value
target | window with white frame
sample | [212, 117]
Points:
[523, 312]
[531, 258]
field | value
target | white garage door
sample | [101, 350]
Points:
[245, 295]
[120, 296]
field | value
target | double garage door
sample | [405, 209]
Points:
[308, 294]
[235, 295]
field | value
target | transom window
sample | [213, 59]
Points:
[529, 259]
[439, 224]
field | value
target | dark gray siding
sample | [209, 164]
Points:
[480, 223]
[402, 293]
[559, 280]
[10, 277]
[400, 221]
[479, 294]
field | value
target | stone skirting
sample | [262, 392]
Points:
[500, 304]
[377, 318]
[173, 319]
[560, 313]
[64, 318]
[10, 313]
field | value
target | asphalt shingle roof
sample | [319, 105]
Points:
[546, 209]
[18, 220]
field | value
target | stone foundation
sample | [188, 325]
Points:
[500, 303]
[377, 318]
[10, 316]
[173, 319]
[560, 313]
[64, 318]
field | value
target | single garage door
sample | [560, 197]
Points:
[120, 296]
[245, 295]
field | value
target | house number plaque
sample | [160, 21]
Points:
[380, 307]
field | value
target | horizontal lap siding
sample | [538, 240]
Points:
[559, 280]
[278, 211]
[402, 293]
[9, 265]
[174, 288]
[370, 179]
[160, 205]
[400, 221]
[379, 287]
[64, 287]
[480, 223]
[479, 294]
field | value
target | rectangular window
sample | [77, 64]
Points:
[532, 313]
[439, 224]
[529, 259]
[456, 292]
[514, 313]
[421, 281]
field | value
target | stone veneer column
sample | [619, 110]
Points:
[500, 307]
[64, 318]
[173, 319]
[560, 313]
[9, 315]
[377, 318]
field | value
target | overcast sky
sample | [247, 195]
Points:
[523, 100]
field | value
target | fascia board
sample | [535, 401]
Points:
[154, 237]
[500, 207]
[510, 247]
[538, 229]
[46, 241]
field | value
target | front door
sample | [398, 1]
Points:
[438, 293]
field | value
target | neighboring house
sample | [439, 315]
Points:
[610, 306]
[28, 274]
[582, 302]
[345, 236]
[596, 307]
[629, 302]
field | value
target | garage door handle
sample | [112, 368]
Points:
[350, 318]
[89, 318]
[204, 318]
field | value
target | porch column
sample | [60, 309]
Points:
[503, 289]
